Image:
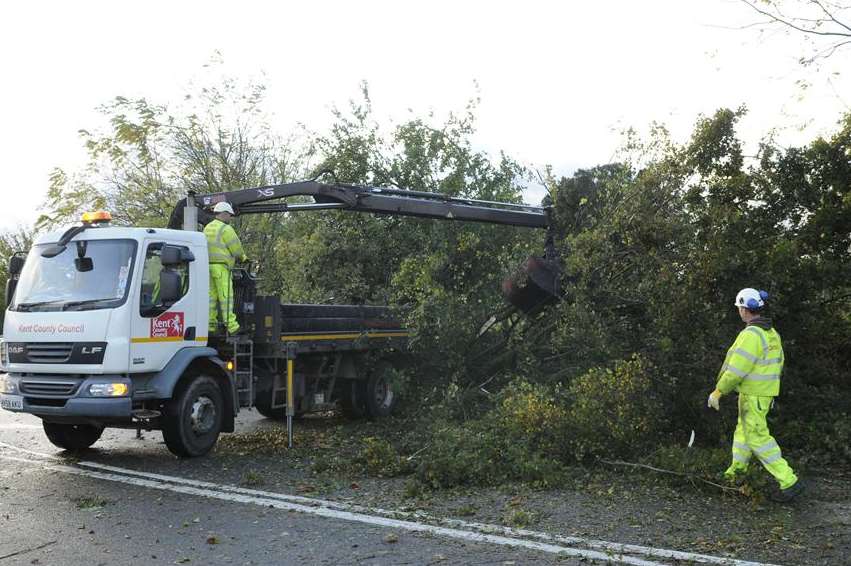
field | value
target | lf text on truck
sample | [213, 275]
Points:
[106, 326]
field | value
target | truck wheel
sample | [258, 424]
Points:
[73, 438]
[270, 413]
[380, 396]
[278, 414]
[194, 418]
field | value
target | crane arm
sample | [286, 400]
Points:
[360, 198]
[537, 282]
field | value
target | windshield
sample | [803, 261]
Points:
[88, 274]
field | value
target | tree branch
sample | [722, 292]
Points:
[829, 15]
[789, 23]
[670, 472]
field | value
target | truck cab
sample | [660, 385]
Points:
[105, 326]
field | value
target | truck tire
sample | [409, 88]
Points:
[194, 417]
[270, 413]
[379, 395]
[278, 414]
[71, 437]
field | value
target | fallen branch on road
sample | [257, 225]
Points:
[671, 472]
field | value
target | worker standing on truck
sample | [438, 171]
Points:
[752, 368]
[225, 249]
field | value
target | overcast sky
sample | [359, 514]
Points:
[557, 79]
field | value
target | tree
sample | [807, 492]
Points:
[445, 274]
[217, 139]
[150, 155]
[11, 242]
[826, 25]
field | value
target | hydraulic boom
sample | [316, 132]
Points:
[536, 283]
[359, 198]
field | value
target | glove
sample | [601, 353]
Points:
[714, 400]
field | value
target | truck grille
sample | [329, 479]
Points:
[49, 387]
[49, 352]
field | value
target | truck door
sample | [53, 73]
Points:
[159, 330]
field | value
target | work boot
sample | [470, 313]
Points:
[790, 493]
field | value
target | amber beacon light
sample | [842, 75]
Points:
[96, 216]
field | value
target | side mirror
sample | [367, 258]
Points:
[169, 287]
[16, 264]
[84, 264]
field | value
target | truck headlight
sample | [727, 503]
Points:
[108, 389]
[7, 385]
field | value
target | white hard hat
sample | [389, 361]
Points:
[751, 299]
[223, 207]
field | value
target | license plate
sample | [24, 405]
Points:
[12, 402]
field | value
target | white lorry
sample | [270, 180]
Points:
[107, 326]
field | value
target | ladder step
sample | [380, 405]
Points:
[243, 368]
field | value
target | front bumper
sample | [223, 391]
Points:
[64, 396]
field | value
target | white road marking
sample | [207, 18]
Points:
[358, 513]
[481, 527]
[466, 536]
[19, 426]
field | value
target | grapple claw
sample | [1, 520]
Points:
[533, 286]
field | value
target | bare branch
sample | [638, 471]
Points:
[789, 22]
[832, 49]
[671, 472]
[830, 16]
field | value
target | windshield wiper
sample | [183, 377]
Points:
[69, 305]
[29, 306]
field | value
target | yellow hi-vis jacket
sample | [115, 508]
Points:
[753, 364]
[223, 243]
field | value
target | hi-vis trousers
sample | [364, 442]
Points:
[221, 298]
[751, 437]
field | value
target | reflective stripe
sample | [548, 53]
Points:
[759, 332]
[769, 377]
[740, 373]
[746, 355]
[222, 258]
[216, 245]
[769, 361]
[770, 445]
[743, 447]
[771, 459]
[739, 458]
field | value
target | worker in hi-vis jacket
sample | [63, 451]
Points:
[225, 249]
[752, 368]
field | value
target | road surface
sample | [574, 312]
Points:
[129, 501]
